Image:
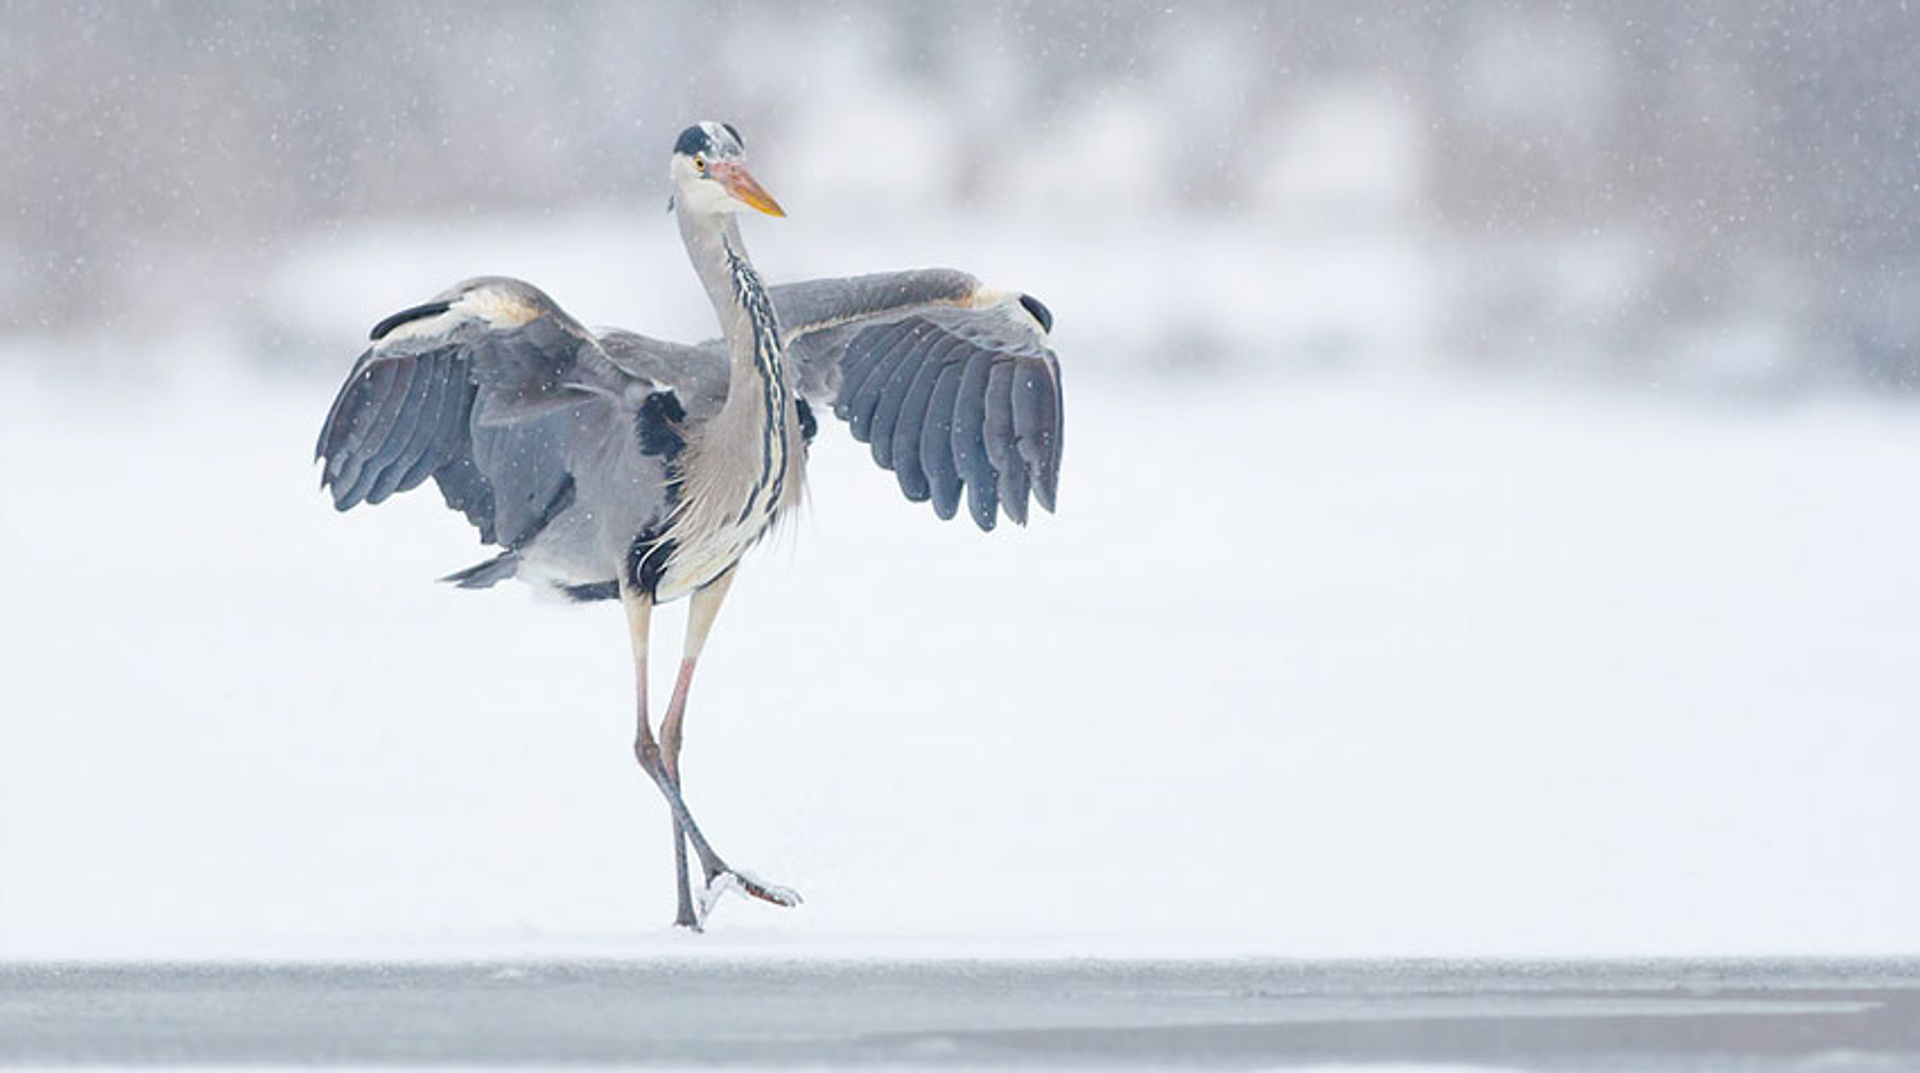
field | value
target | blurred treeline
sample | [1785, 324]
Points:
[1616, 176]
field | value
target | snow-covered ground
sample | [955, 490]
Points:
[1303, 667]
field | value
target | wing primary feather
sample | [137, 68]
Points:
[379, 476]
[448, 433]
[363, 449]
[855, 364]
[864, 353]
[392, 380]
[894, 395]
[1015, 483]
[416, 460]
[970, 446]
[998, 430]
[860, 413]
[1033, 414]
[1047, 483]
[427, 455]
[421, 427]
[936, 442]
[909, 426]
[360, 404]
[333, 430]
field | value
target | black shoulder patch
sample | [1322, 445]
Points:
[647, 559]
[693, 140]
[430, 309]
[658, 425]
[1039, 310]
[809, 426]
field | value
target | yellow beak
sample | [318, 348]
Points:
[745, 189]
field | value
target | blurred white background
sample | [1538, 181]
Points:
[1486, 527]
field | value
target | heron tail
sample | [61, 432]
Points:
[487, 574]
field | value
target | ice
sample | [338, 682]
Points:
[683, 1012]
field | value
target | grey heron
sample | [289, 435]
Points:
[608, 465]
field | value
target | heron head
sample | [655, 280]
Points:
[710, 172]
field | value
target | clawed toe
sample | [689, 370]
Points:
[785, 897]
[720, 882]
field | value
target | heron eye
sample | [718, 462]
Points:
[700, 164]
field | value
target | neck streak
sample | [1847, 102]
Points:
[758, 395]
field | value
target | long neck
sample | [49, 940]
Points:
[739, 299]
[753, 422]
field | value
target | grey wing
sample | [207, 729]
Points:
[954, 385]
[481, 389]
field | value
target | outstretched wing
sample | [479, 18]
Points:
[953, 384]
[474, 389]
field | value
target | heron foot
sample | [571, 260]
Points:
[720, 877]
[722, 880]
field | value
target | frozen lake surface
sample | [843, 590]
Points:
[697, 1011]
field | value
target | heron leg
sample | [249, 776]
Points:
[652, 760]
[639, 608]
[684, 914]
[703, 607]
